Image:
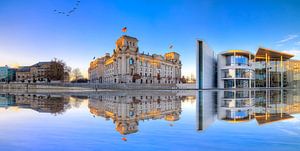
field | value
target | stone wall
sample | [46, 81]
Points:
[89, 86]
[132, 86]
[187, 86]
[32, 86]
[78, 86]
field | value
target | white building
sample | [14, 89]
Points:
[235, 69]
[128, 65]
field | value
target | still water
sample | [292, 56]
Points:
[150, 120]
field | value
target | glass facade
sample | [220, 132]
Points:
[236, 60]
[7, 74]
[236, 94]
[229, 83]
[236, 73]
[268, 68]
[291, 76]
[242, 83]
[228, 73]
[242, 73]
[236, 70]
[273, 74]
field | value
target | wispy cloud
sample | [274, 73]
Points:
[297, 43]
[288, 38]
[294, 51]
[289, 132]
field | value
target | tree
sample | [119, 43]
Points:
[76, 74]
[60, 61]
[58, 70]
[55, 70]
[183, 79]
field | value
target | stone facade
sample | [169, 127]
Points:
[23, 74]
[127, 111]
[31, 73]
[42, 71]
[128, 65]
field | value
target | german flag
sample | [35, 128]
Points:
[124, 29]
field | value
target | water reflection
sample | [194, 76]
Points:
[127, 109]
[54, 104]
[264, 106]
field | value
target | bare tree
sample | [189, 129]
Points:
[55, 70]
[76, 74]
[58, 70]
[63, 63]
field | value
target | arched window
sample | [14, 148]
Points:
[131, 61]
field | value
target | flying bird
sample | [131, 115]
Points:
[171, 47]
[68, 13]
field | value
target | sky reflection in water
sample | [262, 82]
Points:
[168, 120]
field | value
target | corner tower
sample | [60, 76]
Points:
[126, 44]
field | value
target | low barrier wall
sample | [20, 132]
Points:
[86, 86]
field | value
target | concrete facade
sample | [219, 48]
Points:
[206, 66]
[241, 69]
[205, 109]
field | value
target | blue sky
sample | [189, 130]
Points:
[30, 31]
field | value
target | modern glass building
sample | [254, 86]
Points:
[265, 106]
[7, 74]
[271, 68]
[236, 106]
[235, 69]
[242, 69]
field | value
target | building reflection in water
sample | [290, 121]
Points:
[126, 110]
[236, 106]
[206, 109]
[264, 106]
[43, 103]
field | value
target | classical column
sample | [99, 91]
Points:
[123, 64]
[266, 66]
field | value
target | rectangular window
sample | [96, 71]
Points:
[228, 83]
